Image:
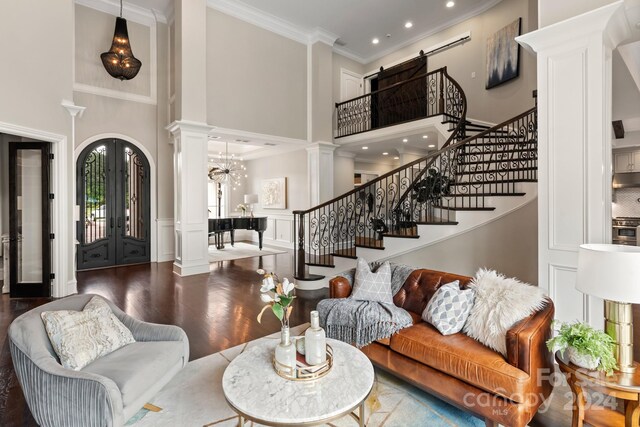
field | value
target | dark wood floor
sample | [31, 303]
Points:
[217, 311]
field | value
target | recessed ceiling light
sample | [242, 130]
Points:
[408, 24]
[405, 140]
[215, 137]
[365, 148]
[425, 136]
[385, 154]
[375, 41]
[396, 158]
[450, 4]
[432, 146]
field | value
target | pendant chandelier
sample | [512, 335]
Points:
[119, 61]
[227, 169]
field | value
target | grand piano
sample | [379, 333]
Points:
[217, 227]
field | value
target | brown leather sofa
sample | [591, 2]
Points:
[457, 368]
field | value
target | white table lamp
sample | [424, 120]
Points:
[612, 272]
[250, 199]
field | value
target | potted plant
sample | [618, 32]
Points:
[586, 347]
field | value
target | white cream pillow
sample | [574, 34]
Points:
[499, 304]
[80, 337]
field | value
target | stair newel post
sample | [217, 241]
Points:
[299, 253]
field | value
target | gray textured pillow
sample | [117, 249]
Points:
[449, 308]
[369, 286]
[80, 337]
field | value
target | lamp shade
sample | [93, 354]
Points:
[610, 272]
[251, 198]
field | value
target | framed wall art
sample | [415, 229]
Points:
[503, 55]
[273, 193]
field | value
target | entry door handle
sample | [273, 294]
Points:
[111, 222]
[119, 222]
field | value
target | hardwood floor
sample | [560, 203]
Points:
[217, 311]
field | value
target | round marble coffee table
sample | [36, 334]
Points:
[257, 393]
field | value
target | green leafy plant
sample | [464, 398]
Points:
[432, 187]
[586, 340]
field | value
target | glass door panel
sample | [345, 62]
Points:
[30, 249]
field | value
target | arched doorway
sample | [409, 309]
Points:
[113, 193]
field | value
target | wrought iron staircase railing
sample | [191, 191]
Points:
[460, 176]
[361, 217]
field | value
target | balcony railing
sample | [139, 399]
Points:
[427, 95]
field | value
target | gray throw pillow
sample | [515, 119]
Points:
[369, 286]
[449, 308]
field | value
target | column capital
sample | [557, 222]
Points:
[180, 126]
[322, 146]
[610, 21]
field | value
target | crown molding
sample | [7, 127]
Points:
[73, 109]
[323, 36]
[348, 54]
[130, 12]
[260, 19]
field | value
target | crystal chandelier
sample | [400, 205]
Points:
[119, 60]
[227, 169]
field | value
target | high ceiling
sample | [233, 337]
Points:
[354, 22]
[357, 22]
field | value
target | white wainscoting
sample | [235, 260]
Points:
[166, 240]
[279, 230]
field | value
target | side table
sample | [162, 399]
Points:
[591, 411]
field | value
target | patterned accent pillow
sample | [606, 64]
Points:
[369, 286]
[80, 337]
[449, 308]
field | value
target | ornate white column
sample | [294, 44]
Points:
[190, 197]
[190, 136]
[320, 172]
[574, 149]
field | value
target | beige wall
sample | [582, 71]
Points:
[552, 11]
[257, 80]
[38, 38]
[292, 165]
[321, 92]
[379, 168]
[343, 169]
[94, 32]
[342, 62]
[508, 245]
[135, 121]
[499, 103]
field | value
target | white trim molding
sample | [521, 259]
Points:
[166, 240]
[62, 248]
[574, 147]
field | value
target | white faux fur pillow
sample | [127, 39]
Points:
[500, 303]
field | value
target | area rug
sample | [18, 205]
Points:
[194, 398]
[238, 251]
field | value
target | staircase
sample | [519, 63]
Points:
[470, 180]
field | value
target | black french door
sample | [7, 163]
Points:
[29, 220]
[114, 198]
